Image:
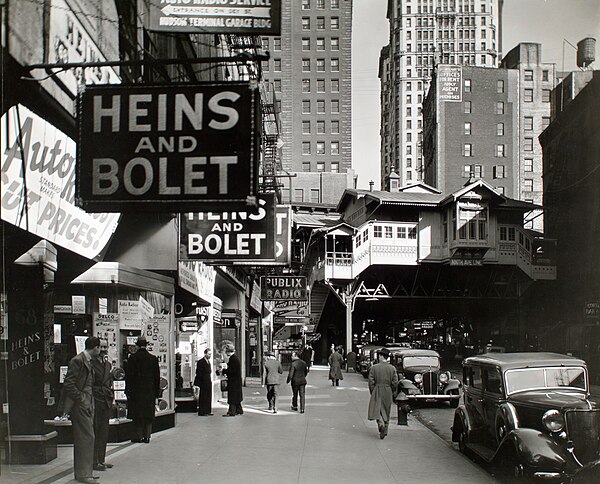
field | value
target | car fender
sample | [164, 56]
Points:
[407, 386]
[461, 418]
[452, 386]
[508, 413]
[537, 450]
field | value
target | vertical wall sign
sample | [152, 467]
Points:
[449, 81]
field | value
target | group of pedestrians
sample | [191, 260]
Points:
[89, 399]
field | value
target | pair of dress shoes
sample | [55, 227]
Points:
[205, 414]
[141, 441]
[102, 466]
[89, 480]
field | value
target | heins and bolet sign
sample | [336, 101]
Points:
[166, 148]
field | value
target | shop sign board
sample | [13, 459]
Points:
[156, 330]
[242, 236]
[145, 308]
[63, 309]
[167, 148]
[38, 186]
[241, 17]
[129, 315]
[283, 288]
[188, 326]
[449, 81]
[70, 42]
[197, 278]
[291, 309]
[592, 309]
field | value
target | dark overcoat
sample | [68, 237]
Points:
[298, 372]
[142, 379]
[103, 383]
[335, 366]
[204, 383]
[383, 381]
[234, 380]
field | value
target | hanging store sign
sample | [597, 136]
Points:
[243, 17]
[291, 309]
[449, 82]
[241, 237]
[38, 186]
[283, 288]
[167, 148]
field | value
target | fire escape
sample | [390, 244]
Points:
[271, 154]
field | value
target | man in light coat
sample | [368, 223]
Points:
[383, 381]
[271, 379]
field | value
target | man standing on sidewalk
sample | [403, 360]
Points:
[142, 387]
[103, 402]
[383, 381]
[204, 383]
[272, 371]
[234, 383]
[297, 376]
[78, 385]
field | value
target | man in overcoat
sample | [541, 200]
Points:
[271, 378]
[203, 381]
[383, 381]
[103, 403]
[234, 383]
[142, 387]
[78, 386]
[336, 360]
[297, 377]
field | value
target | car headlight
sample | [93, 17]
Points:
[553, 420]
[418, 378]
[444, 378]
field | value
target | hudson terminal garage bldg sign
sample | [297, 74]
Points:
[167, 148]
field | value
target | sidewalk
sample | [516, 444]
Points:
[332, 442]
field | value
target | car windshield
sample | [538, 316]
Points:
[431, 361]
[539, 378]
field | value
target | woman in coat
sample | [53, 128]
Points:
[336, 360]
[383, 381]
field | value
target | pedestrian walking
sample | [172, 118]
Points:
[234, 383]
[103, 403]
[78, 385]
[383, 381]
[203, 381]
[142, 387]
[272, 371]
[335, 367]
[307, 355]
[297, 377]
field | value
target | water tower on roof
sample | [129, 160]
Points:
[586, 53]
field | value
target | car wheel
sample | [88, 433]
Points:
[462, 440]
[501, 430]
[455, 401]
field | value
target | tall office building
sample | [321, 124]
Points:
[310, 68]
[424, 33]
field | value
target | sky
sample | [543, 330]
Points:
[545, 21]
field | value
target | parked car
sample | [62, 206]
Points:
[365, 359]
[422, 379]
[528, 412]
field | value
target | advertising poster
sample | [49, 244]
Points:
[41, 200]
[449, 83]
[106, 326]
[157, 332]
[129, 315]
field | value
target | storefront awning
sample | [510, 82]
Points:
[117, 273]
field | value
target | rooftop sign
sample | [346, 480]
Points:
[243, 17]
[166, 148]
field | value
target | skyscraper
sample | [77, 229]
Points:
[310, 68]
[424, 33]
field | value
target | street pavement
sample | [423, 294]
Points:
[332, 442]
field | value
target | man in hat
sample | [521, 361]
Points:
[142, 379]
[383, 381]
[203, 381]
[271, 379]
[234, 383]
[78, 387]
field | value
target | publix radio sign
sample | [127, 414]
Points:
[288, 288]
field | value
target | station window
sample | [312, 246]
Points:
[412, 233]
[401, 233]
[389, 232]
[378, 231]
